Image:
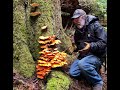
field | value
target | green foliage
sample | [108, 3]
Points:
[88, 5]
[101, 9]
[65, 13]
[58, 81]
[97, 7]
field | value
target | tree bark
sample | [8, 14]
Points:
[22, 58]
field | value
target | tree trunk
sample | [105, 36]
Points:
[22, 58]
[27, 30]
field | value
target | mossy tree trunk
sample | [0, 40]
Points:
[26, 31]
[22, 58]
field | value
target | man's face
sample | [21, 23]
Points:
[79, 22]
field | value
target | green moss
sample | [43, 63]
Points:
[34, 25]
[58, 81]
[22, 59]
[66, 43]
[45, 18]
[19, 25]
[65, 14]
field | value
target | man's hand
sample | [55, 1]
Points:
[85, 50]
[75, 50]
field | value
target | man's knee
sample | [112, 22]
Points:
[74, 69]
[82, 65]
[74, 73]
[71, 73]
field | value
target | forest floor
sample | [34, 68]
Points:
[33, 83]
[20, 83]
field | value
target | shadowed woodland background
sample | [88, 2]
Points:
[56, 15]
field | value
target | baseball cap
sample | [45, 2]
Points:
[78, 12]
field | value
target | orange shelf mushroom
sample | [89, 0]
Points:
[34, 4]
[44, 27]
[42, 71]
[50, 57]
[43, 38]
[35, 13]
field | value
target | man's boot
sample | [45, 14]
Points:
[97, 87]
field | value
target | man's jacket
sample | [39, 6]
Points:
[94, 34]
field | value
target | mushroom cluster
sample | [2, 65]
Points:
[34, 13]
[50, 57]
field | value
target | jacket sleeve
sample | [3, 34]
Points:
[101, 35]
